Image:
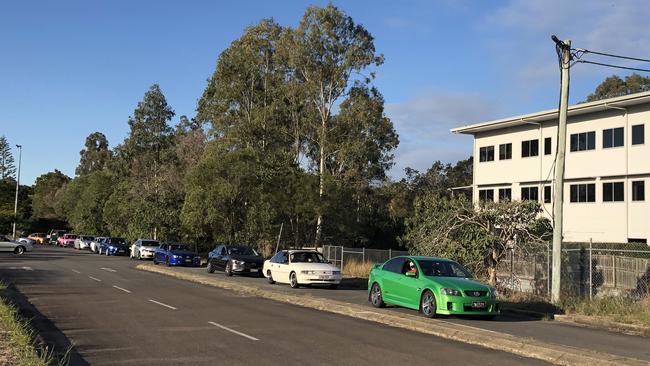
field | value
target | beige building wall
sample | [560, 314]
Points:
[599, 220]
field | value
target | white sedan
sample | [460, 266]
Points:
[301, 267]
[16, 247]
[144, 249]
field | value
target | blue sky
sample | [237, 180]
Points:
[70, 68]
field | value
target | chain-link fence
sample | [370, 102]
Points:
[339, 255]
[586, 272]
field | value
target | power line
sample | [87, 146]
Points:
[614, 66]
[582, 50]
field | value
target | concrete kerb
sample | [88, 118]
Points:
[601, 323]
[526, 347]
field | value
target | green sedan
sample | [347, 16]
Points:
[431, 285]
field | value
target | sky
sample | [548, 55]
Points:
[70, 68]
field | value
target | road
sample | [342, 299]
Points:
[109, 313]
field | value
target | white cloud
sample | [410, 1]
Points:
[423, 124]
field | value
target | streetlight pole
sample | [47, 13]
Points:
[20, 156]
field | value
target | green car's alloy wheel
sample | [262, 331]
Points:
[293, 280]
[375, 296]
[229, 269]
[428, 304]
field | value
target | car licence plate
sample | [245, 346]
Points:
[188, 261]
[323, 277]
[478, 305]
[253, 270]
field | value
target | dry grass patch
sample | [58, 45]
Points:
[354, 268]
[617, 309]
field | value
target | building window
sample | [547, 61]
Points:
[547, 146]
[529, 193]
[613, 137]
[583, 141]
[583, 192]
[547, 194]
[638, 134]
[486, 195]
[505, 151]
[529, 148]
[613, 192]
[486, 153]
[505, 194]
[638, 191]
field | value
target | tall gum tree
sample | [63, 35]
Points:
[329, 49]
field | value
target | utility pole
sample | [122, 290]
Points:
[563, 47]
[20, 156]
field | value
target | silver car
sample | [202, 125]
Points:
[15, 247]
[83, 242]
[144, 249]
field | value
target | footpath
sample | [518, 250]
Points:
[350, 301]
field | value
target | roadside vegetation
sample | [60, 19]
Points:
[17, 340]
[357, 269]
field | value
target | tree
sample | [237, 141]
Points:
[95, 154]
[328, 47]
[44, 199]
[7, 167]
[614, 86]
[476, 236]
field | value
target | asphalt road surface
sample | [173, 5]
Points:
[108, 313]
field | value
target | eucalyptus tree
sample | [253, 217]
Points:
[328, 51]
[95, 154]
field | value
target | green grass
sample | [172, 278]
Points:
[17, 345]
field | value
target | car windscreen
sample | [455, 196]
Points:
[241, 251]
[118, 241]
[437, 268]
[307, 257]
[87, 238]
[149, 243]
[178, 247]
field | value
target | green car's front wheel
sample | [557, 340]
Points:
[375, 296]
[428, 304]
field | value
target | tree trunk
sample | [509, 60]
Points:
[492, 268]
[321, 185]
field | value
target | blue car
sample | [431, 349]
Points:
[176, 254]
[114, 246]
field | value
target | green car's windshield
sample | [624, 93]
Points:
[436, 268]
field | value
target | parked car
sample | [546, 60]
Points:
[83, 242]
[235, 259]
[26, 240]
[114, 246]
[144, 248]
[38, 237]
[431, 285]
[15, 247]
[54, 235]
[95, 244]
[301, 267]
[176, 254]
[67, 240]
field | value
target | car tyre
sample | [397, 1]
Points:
[155, 262]
[428, 304]
[209, 267]
[376, 299]
[487, 317]
[228, 269]
[139, 256]
[19, 250]
[269, 277]
[334, 286]
[293, 280]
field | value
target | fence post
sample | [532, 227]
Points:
[342, 255]
[548, 270]
[390, 253]
[363, 255]
[591, 280]
[614, 269]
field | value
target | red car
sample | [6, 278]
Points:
[67, 240]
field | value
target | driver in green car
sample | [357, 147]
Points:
[412, 268]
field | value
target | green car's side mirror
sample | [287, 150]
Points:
[411, 274]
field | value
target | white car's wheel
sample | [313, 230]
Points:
[269, 277]
[293, 280]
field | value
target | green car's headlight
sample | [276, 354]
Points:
[450, 292]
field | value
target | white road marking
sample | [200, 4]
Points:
[108, 269]
[28, 268]
[161, 304]
[233, 331]
[75, 271]
[123, 289]
[93, 278]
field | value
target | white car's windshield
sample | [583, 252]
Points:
[150, 243]
[307, 257]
